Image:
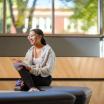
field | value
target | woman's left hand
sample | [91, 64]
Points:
[16, 61]
[28, 68]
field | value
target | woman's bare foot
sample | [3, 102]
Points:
[33, 89]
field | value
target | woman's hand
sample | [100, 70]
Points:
[19, 63]
[28, 68]
[16, 61]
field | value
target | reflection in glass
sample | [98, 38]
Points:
[76, 17]
[25, 14]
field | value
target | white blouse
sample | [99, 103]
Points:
[37, 61]
[43, 65]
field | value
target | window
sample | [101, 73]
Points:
[56, 17]
[76, 16]
[21, 15]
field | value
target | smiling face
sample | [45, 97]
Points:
[34, 38]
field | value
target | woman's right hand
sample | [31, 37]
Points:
[16, 61]
[18, 64]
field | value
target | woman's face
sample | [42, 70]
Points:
[34, 38]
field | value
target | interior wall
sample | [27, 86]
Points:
[63, 46]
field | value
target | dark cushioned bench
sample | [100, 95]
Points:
[42, 97]
[82, 94]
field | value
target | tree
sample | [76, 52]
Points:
[85, 11]
[21, 6]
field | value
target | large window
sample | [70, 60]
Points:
[56, 17]
[21, 15]
[76, 16]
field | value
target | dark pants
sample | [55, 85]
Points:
[30, 80]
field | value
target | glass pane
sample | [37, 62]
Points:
[1, 16]
[76, 17]
[25, 14]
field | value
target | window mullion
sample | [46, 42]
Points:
[53, 18]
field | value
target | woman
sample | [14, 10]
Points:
[38, 63]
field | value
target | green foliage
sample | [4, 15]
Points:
[1, 1]
[21, 7]
[17, 11]
[84, 11]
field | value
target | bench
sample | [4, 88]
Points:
[82, 94]
[42, 97]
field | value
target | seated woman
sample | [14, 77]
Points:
[35, 70]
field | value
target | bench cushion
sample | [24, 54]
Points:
[42, 97]
[82, 94]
